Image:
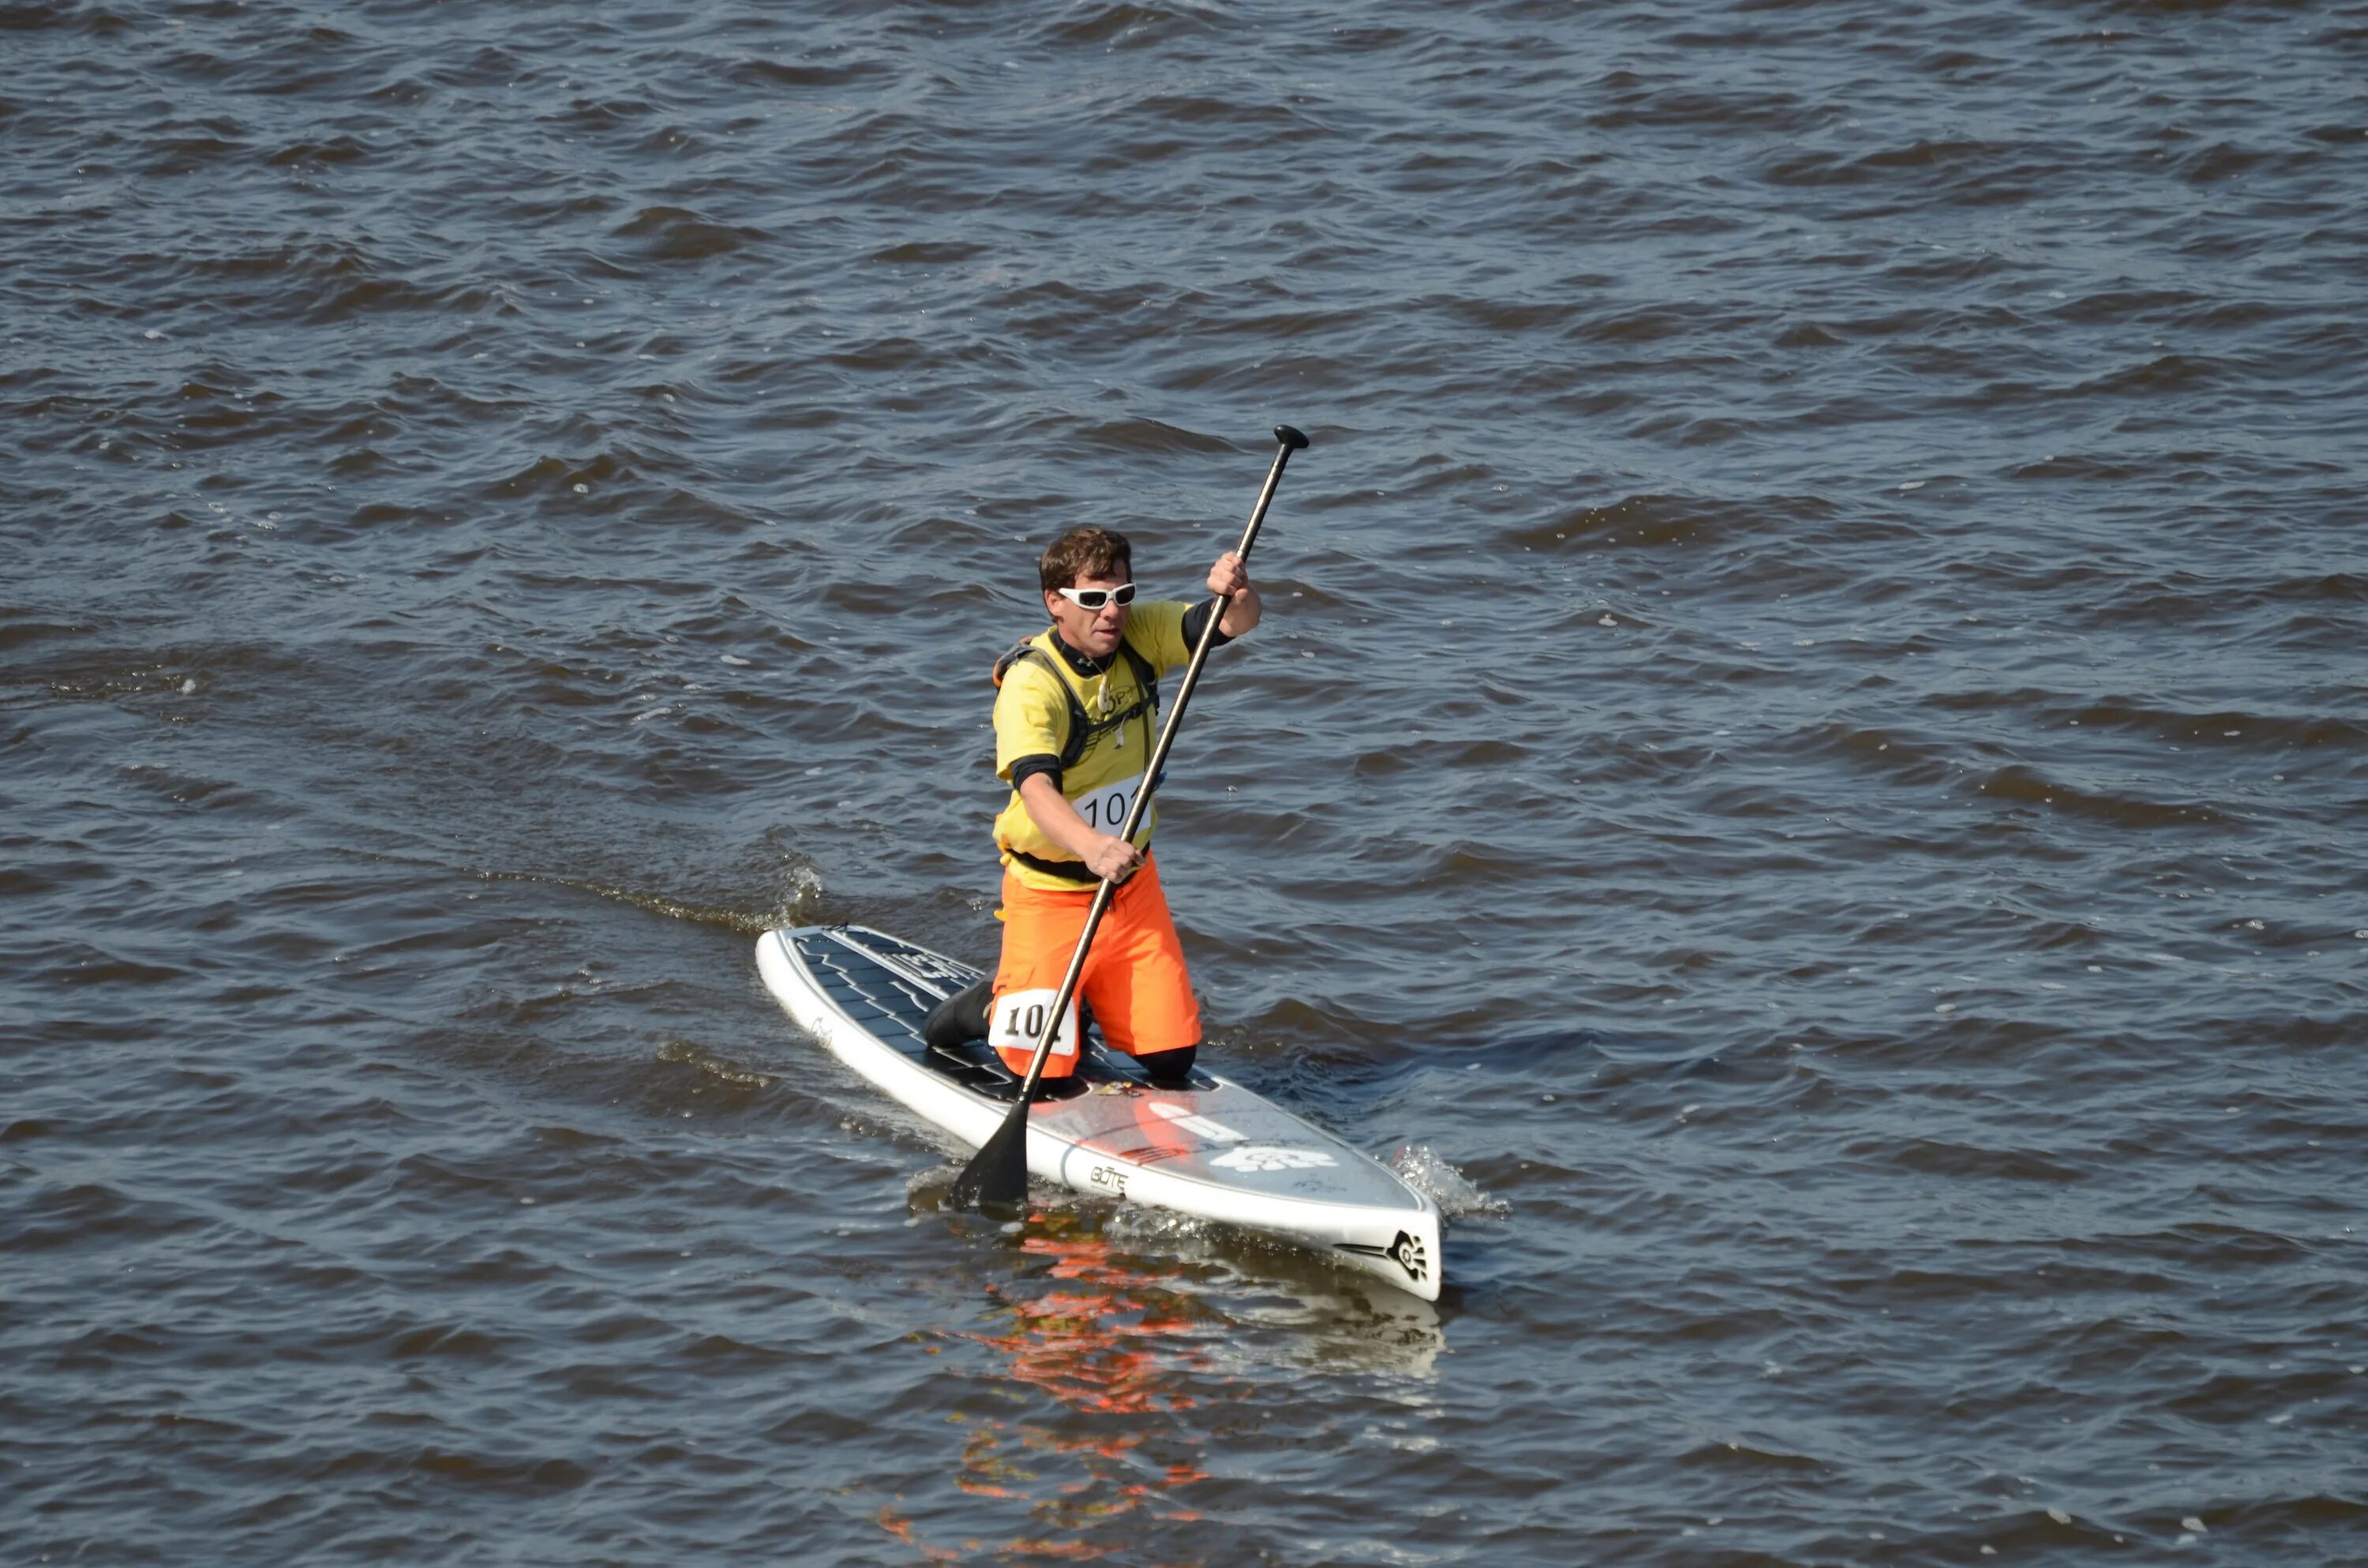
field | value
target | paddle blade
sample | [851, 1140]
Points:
[996, 1180]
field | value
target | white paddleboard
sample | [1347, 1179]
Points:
[1211, 1149]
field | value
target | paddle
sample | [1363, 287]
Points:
[996, 1176]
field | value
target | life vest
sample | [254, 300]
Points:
[1084, 728]
[1015, 831]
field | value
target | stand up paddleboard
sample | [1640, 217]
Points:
[1213, 1148]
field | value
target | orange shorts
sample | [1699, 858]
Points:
[1133, 981]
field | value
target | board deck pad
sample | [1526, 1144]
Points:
[1115, 1128]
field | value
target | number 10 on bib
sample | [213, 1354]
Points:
[1105, 809]
[1018, 1022]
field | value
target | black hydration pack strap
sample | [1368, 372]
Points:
[1085, 730]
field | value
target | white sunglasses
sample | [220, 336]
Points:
[1094, 598]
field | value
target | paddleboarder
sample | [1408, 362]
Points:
[1075, 714]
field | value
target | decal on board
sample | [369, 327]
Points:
[1199, 1126]
[1270, 1157]
[1405, 1251]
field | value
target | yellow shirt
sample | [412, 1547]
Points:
[1032, 718]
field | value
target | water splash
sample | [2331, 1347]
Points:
[928, 1189]
[1421, 1167]
[801, 895]
[1164, 1232]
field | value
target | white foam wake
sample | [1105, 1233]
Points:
[1421, 1167]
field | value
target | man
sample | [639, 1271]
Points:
[1075, 717]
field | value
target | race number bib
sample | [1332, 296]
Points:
[1105, 809]
[1018, 1022]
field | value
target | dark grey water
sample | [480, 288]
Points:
[1806, 769]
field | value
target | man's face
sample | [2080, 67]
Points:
[1093, 633]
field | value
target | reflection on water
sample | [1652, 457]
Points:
[1336, 1318]
[1093, 1339]
[1126, 1318]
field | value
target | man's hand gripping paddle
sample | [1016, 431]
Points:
[996, 1177]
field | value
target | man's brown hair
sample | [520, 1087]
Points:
[1085, 552]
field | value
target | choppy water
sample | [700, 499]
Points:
[1807, 766]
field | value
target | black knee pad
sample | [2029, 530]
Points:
[961, 1018]
[1169, 1068]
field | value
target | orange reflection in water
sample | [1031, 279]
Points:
[1139, 1372]
[1116, 1349]
[1098, 1349]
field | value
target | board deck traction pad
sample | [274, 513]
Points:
[1211, 1148]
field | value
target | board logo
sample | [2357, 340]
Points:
[918, 964]
[930, 966]
[1109, 1179]
[1410, 1257]
[1270, 1157]
[1405, 1251]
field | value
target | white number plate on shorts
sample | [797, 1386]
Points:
[1018, 1022]
[1105, 809]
